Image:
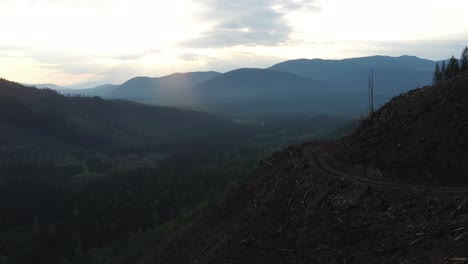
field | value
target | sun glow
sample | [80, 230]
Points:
[109, 27]
[68, 41]
[55, 32]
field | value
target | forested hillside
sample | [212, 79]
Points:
[87, 180]
[91, 121]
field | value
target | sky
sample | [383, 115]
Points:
[68, 42]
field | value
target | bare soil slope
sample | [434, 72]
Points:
[419, 137]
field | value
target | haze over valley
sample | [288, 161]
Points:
[314, 87]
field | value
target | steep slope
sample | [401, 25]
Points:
[299, 207]
[419, 137]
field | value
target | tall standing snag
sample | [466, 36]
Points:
[371, 92]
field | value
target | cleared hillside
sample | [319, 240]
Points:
[419, 137]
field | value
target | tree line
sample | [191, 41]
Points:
[453, 67]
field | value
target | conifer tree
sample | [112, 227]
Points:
[452, 68]
[464, 60]
[437, 78]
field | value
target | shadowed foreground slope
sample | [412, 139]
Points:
[299, 207]
[419, 137]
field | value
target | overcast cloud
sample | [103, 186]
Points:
[71, 41]
[244, 22]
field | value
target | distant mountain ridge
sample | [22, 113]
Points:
[260, 92]
[332, 87]
[314, 86]
[393, 75]
[46, 85]
[165, 90]
[251, 80]
[305, 67]
[101, 90]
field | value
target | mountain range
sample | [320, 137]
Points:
[393, 75]
[295, 86]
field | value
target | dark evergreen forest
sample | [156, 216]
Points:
[87, 180]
